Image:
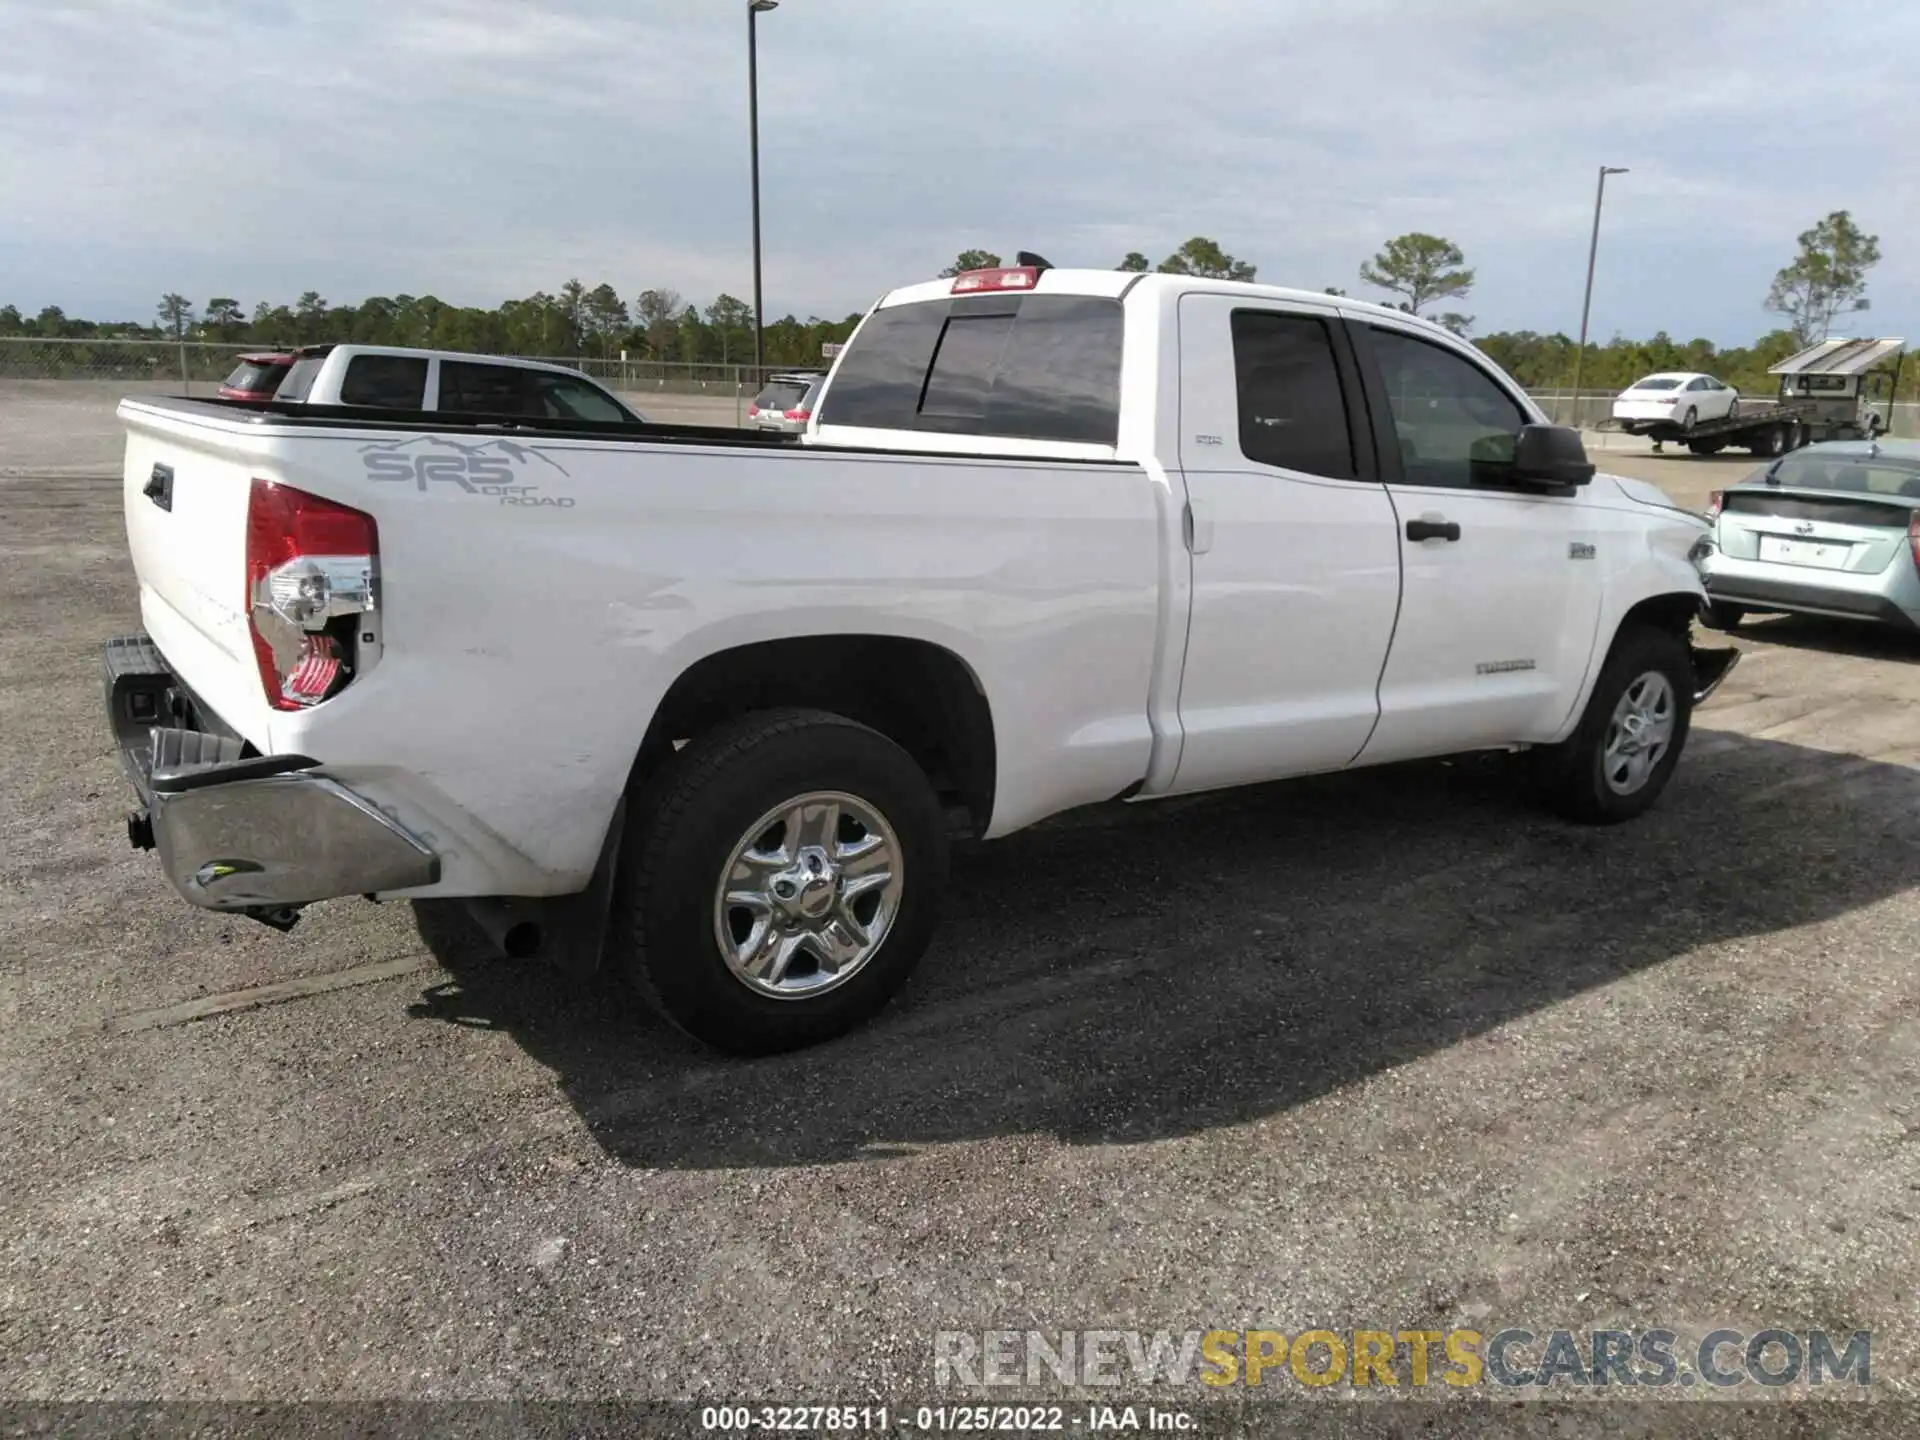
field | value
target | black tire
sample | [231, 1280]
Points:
[689, 818]
[1722, 616]
[1693, 419]
[1770, 441]
[1706, 447]
[1572, 774]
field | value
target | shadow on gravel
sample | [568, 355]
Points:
[1135, 973]
[1835, 637]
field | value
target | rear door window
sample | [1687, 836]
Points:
[471, 389]
[1293, 411]
[390, 382]
[1034, 367]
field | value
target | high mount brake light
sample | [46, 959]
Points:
[310, 563]
[1006, 277]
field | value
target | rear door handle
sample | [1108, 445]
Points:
[1432, 527]
[159, 487]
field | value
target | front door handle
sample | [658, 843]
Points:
[159, 486]
[1432, 527]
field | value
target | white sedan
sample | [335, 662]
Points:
[1678, 398]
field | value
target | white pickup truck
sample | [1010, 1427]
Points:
[709, 704]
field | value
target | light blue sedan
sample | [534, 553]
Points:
[1833, 529]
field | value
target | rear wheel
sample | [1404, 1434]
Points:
[1620, 757]
[1770, 441]
[783, 882]
[1693, 418]
[1706, 447]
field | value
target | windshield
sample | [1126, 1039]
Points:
[1658, 385]
[1863, 475]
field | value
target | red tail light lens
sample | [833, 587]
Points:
[1009, 277]
[1913, 537]
[1715, 499]
[799, 414]
[311, 565]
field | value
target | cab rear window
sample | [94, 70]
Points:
[1030, 367]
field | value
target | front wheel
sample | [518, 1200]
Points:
[1622, 754]
[783, 881]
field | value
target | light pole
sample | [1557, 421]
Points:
[754, 10]
[1586, 305]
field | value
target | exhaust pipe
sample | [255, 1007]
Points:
[510, 924]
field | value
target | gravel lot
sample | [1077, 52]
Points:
[1384, 1049]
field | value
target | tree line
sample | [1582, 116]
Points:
[1826, 279]
[573, 322]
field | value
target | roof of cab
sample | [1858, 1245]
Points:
[1116, 283]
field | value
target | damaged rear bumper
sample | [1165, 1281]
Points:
[259, 834]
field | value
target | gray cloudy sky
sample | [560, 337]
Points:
[480, 149]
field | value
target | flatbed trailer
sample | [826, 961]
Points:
[1836, 390]
[1762, 427]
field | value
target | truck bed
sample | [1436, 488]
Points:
[544, 584]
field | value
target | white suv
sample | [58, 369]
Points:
[390, 377]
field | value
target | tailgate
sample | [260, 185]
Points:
[184, 491]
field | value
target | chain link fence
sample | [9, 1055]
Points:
[678, 388]
[200, 365]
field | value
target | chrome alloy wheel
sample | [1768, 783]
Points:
[808, 895]
[1639, 732]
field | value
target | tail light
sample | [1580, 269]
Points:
[312, 598]
[752, 410]
[1715, 499]
[799, 414]
[1009, 277]
[1913, 537]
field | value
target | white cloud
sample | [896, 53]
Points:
[483, 148]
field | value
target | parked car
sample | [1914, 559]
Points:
[1683, 397]
[706, 708]
[1833, 529]
[256, 377]
[391, 377]
[786, 404]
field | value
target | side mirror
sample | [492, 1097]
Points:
[1551, 456]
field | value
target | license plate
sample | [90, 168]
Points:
[1824, 555]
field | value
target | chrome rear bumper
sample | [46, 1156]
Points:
[233, 838]
[259, 834]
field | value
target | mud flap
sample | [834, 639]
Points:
[1710, 667]
[578, 935]
[569, 931]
